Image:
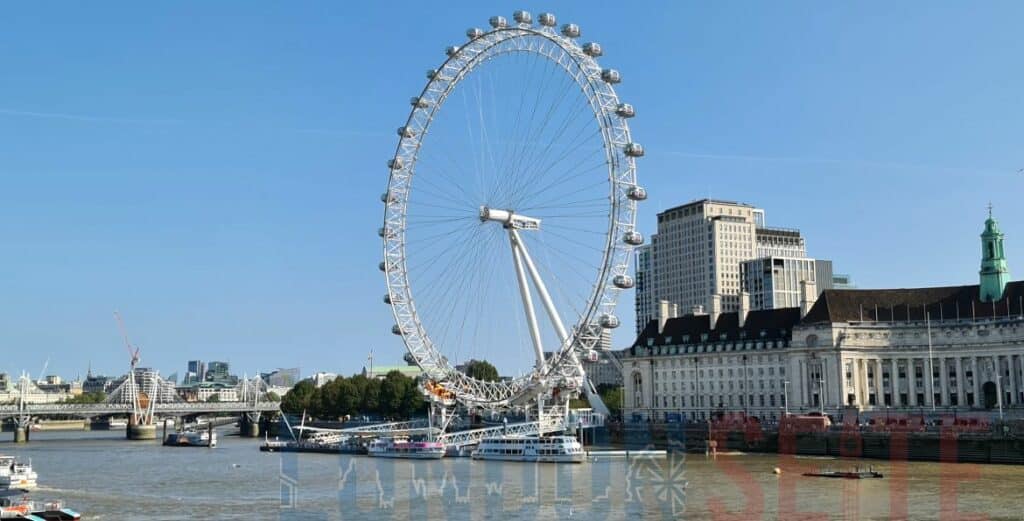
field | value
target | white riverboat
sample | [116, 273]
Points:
[543, 449]
[192, 438]
[403, 448]
[16, 474]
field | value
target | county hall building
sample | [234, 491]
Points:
[939, 350]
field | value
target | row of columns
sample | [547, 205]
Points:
[863, 387]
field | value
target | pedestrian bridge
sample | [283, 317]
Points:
[111, 409]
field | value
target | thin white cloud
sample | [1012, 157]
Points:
[82, 117]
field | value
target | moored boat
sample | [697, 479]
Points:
[15, 504]
[16, 474]
[542, 449]
[856, 473]
[403, 448]
[191, 439]
[347, 446]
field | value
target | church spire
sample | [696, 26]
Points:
[994, 273]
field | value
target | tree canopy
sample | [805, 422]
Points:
[482, 370]
[395, 395]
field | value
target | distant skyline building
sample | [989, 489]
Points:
[282, 377]
[217, 372]
[775, 282]
[196, 371]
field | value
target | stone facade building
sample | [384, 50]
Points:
[938, 350]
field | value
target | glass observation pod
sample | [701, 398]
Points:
[611, 76]
[609, 321]
[474, 32]
[498, 22]
[451, 50]
[637, 193]
[625, 110]
[522, 17]
[634, 150]
[405, 132]
[633, 238]
[382, 266]
[419, 102]
[547, 20]
[395, 164]
[623, 281]
[571, 31]
[592, 49]
[385, 232]
[397, 330]
[386, 197]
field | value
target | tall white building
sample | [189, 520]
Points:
[697, 253]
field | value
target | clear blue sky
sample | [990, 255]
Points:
[212, 170]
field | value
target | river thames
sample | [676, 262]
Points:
[106, 477]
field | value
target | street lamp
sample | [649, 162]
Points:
[999, 394]
[785, 396]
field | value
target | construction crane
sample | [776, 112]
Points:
[133, 353]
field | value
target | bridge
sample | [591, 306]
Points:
[141, 396]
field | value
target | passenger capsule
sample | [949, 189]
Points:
[571, 31]
[385, 197]
[633, 150]
[592, 49]
[382, 266]
[609, 321]
[395, 164]
[498, 22]
[547, 20]
[451, 50]
[405, 132]
[381, 232]
[419, 102]
[611, 76]
[387, 299]
[623, 281]
[637, 193]
[634, 238]
[431, 74]
[396, 330]
[625, 110]
[474, 32]
[522, 17]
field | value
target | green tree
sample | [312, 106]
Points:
[612, 397]
[88, 398]
[370, 398]
[482, 370]
[273, 397]
[297, 399]
[392, 393]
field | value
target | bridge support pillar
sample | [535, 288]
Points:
[140, 431]
[20, 434]
[249, 427]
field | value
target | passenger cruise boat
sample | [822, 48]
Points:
[191, 439]
[544, 449]
[15, 474]
[403, 448]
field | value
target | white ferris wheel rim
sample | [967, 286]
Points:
[579, 63]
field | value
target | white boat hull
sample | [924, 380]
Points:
[569, 458]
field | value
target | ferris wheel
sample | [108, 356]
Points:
[510, 213]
